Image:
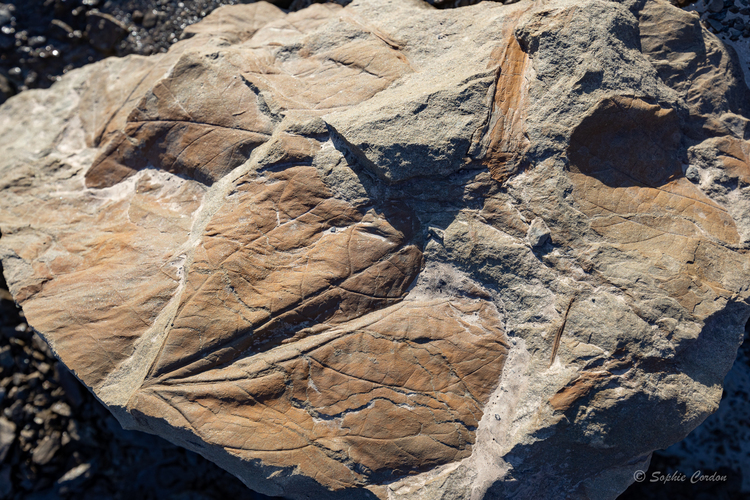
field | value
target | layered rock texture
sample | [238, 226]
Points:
[389, 251]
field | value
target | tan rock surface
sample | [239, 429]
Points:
[390, 251]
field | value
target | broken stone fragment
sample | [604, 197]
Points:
[46, 449]
[7, 436]
[299, 243]
[538, 234]
[75, 477]
[693, 174]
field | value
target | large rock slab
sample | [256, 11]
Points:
[392, 251]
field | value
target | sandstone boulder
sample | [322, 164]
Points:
[390, 251]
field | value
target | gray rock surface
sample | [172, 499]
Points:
[722, 441]
[538, 233]
[132, 238]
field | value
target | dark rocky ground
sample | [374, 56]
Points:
[58, 441]
[720, 446]
[726, 16]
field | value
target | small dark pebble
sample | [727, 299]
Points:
[75, 478]
[6, 14]
[149, 19]
[714, 25]
[70, 385]
[6, 41]
[37, 41]
[7, 436]
[6, 486]
[60, 29]
[46, 449]
[6, 359]
[715, 5]
[104, 31]
[61, 409]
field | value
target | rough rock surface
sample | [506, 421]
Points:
[96, 458]
[392, 251]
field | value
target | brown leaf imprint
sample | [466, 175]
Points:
[398, 391]
[282, 256]
[507, 138]
[626, 170]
